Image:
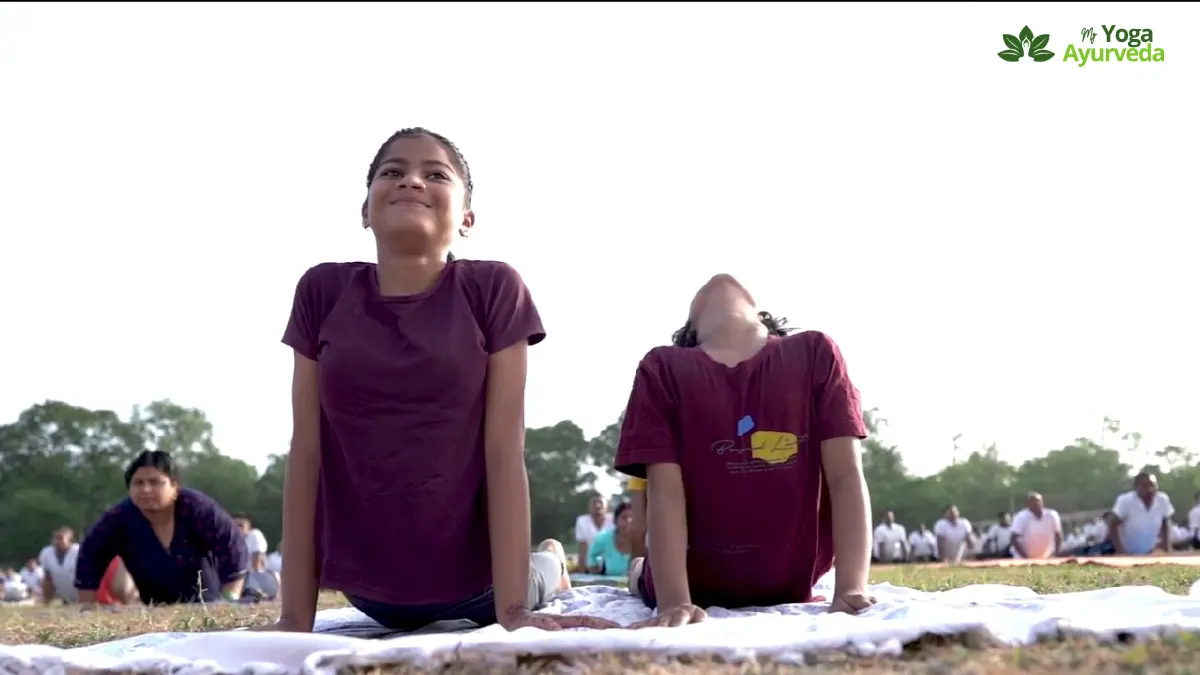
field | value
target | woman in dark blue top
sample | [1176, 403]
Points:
[178, 544]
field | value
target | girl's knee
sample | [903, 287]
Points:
[635, 575]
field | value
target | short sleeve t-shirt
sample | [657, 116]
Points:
[955, 535]
[401, 506]
[1141, 525]
[747, 440]
[61, 571]
[889, 540]
[923, 543]
[256, 542]
[586, 528]
[1037, 535]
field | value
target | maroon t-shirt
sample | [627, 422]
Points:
[401, 507]
[747, 439]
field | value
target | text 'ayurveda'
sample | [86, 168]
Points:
[1134, 45]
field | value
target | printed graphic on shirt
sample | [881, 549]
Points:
[762, 450]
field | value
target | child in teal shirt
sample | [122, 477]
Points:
[612, 549]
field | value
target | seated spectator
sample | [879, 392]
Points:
[891, 541]
[922, 545]
[117, 587]
[999, 537]
[14, 589]
[33, 574]
[612, 549]
[588, 525]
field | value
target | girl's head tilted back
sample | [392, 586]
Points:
[418, 192]
[720, 301]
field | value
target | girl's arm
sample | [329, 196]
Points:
[298, 583]
[507, 482]
[851, 506]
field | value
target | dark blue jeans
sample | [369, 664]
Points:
[545, 573]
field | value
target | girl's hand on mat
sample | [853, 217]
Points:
[851, 603]
[284, 626]
[674, 617]
[528, 619]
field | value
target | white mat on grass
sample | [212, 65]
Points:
[1008, 614]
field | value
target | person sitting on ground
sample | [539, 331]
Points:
[12, 587]
[177, 544]
[999, 537]
[922, 545]
[275, 559]
[611, 552]
[747, 436]
[1181, 537]
[891, 541]
[588, 526]
[954, 536]
[58, 560]
[117, 587]
[1194, 521]
[32, 575]
[1036, 530]
[256, 541]
[637, 499]
[406, 487]
[1140, 521]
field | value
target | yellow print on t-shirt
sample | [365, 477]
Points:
[773, 447]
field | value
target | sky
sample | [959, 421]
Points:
[1001, 250]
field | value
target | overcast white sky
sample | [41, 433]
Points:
[1001, 249]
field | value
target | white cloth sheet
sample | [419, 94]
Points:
[1007, 614]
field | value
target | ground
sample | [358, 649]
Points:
[68, 628]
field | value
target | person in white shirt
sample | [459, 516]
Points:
[1194, 521]
[1181, 537]
[954, 536]
[58, 560]
[999, 537]
[590, 524]
[891, 541]
[1140, 520]
[275, 560]
[922, 545]
[1074, 542]
[12, 587]
[256, 542]
[32, 575]
[1036, 530]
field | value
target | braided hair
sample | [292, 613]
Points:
[456, 158]
[686, 336]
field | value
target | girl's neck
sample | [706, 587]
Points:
[399, 274]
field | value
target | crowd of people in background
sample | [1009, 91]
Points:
[1141, 522]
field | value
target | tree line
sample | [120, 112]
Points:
[62, 464]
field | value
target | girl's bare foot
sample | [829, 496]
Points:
[556, 547]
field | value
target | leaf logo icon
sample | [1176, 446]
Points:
[1025, 43]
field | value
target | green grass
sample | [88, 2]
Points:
[67, 627]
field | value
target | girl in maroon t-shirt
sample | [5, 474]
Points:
[746, 433]
[406, 487]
